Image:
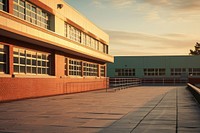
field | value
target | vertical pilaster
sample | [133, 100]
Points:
[10, 6]
[10, 60]
[105, 70]
[67, 66]
[99, 70]
[82, 69]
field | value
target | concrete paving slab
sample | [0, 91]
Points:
[137, 110]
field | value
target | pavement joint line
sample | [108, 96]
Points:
[149, 112]
[176, 110]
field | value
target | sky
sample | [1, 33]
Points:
[145, 27]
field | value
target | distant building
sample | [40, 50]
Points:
[155, 68]
[48, 48]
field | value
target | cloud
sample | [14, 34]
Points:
[182, 5]
[126, 43]
[98, 4]
[115, 3]
[122, 3]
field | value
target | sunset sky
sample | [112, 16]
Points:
[145, 27]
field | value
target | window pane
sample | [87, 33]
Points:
[22, 60]
[34, 62]
[16, 60]
[43, 63]
[2, 57]
[39, 70]
[16, 68]
[2, 67]
[43, 70]
[33, 69]
[28, 61]
[39, 63]
[22, 69]
[28, 69]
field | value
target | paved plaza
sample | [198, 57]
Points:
[142, 109]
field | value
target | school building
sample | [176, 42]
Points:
[49, 48]
[156, 69]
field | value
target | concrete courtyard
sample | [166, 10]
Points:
[142, 109]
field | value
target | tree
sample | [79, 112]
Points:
[197, 49]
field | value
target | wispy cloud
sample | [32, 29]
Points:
[122, 3]
[153, 9]
[115, 3]
[125, 43]
[183, 5]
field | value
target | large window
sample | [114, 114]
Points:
[90, 69]
[194, 71]
[154, 72]
[30, 62]
[3, 59]
[177, 71]
[31, 13]
[76, 35]
[75, 67]
[125, 72]
[3, 5]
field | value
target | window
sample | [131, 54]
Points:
[31, 13]
[75, 67]
[3, 5]
[90, 69]
[194, 71]
[100, 47]
[76, 35]
[125, 72]
[19, 8]
[154, 72]
[3, 59]
[30, 62]
[105, 48]
[177, 71]
[102, 71]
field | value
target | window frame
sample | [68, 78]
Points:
[39, 62]
[32, 14]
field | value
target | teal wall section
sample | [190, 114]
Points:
[139, 63]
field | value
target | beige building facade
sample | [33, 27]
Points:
[49, 44]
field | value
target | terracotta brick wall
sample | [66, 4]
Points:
[20, 88]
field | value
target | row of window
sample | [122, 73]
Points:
[158, 72]
[154, 72]
[125, 72]
[78, 36]
[194, 71]
[77, 67]
[37, 63]
[31, 13]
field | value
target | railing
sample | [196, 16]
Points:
[122, 83]
[164, 81]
